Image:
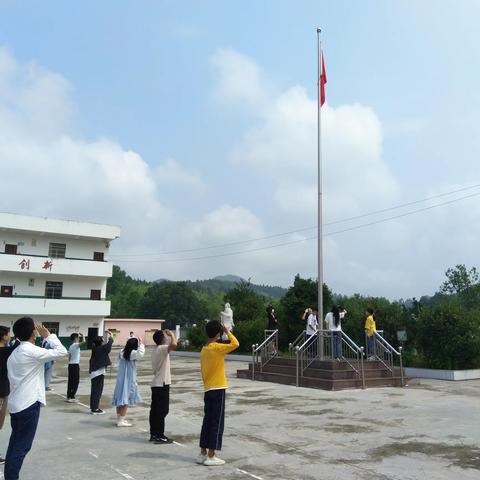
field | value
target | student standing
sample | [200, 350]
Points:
[98, 362]
[333, 320]
[370, 329]
[126, 389]
[48, 365]
[74, 366]
[5, 351]
[212, 362]
[27, 389]
[161, 385]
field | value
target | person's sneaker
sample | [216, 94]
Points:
[48, 389]
[124, 423]
[163, 440]
[98, 411]
[153, 438]
[72, 400]
[2, 460]
[201, 458]
[213, 461]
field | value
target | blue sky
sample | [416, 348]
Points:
[146, 76]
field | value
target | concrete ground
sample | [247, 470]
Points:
[428, 430]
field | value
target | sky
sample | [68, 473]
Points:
[192, 125]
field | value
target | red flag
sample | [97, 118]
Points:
[323, 81]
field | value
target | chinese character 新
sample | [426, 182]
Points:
[48, 265]
[25, 264]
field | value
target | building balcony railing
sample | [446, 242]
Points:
[21, 263]
[24, 254]
[71, 306]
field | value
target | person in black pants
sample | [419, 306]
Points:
[98, 362]
[161, 385]
[5, 351]
[74, 366]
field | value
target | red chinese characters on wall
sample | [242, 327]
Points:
[48, 264]
[25, 264]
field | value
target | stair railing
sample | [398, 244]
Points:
[306, 353]
[296, 343]
[263, 353]
[336, 345]
[353, 355]
[385, 353]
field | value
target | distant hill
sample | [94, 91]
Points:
[223, 283]
[229, 278]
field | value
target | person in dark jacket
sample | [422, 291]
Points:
[98, 362]
[5, 350]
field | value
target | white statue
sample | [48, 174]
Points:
[226, 317]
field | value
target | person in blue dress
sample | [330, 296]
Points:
[126, 389]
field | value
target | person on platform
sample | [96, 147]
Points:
[212, 363]
[272, 319]
[161, 385]
[99, 361]
[126, 389]
[26, 375]
[333, 321]
[370, 329]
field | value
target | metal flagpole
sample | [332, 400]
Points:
[319, 206]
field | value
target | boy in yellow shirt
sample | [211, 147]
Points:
[370, 329]
[212, 358]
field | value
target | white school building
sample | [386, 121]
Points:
[55, 271]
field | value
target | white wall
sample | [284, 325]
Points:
[72, 286]
[34, 244]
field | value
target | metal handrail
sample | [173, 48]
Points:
[296, 342]
[266, 351]
[388, 354]
[310, 350]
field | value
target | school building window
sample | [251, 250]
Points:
[53, 289]
[98, 256]
[95, 294]
[52, 327]
[10, 249]
[56, 250]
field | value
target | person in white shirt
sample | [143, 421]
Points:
[312, 323]
[27, 389]
[333, 321]
[161, 385]
[74, 366]
[311, 330]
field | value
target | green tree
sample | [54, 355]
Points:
[463, 283]
[246, 304]
[302, 294]
[449, 336]
[175, 302]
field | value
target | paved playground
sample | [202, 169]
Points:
[428, 430]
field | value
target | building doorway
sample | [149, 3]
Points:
[91, 336]
[6, 291]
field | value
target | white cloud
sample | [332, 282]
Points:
[237, 78]
[171, 173]
[47, 170]
[394, 258]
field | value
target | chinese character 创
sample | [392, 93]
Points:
[25, 264]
